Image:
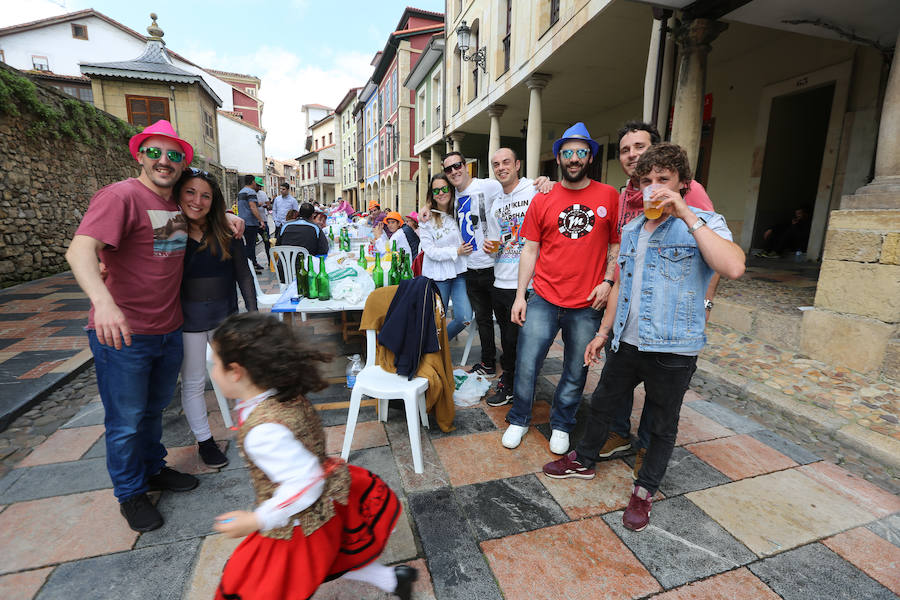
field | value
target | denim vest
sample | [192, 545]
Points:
[672, 317]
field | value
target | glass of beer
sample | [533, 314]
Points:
[491, 246]
[651, 207]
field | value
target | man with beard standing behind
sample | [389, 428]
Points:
[569, 233]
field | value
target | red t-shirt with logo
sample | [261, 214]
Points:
[574, 229]
[145, 237]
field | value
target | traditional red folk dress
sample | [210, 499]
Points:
[321, 518]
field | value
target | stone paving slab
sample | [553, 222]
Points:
[189, 515]
[24, 585]
[764, 512]
[682, 543]
[686, 473]
[457, 566]
[739, 584]
[814, 572]
[45, 481]
[142, 574]
[509, 506]
[887, 528]
[795, 452]
[91, 413]
[873, 555]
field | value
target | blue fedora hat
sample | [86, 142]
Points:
[576, 132]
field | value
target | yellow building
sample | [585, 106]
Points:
[150, 87]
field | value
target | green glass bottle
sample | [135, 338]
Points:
[302, 281]
[394, 273]
[378, 272]
[362, 262]
[405, 267]
[312, 285]
[331, 233]
[323, 285]
[346, 236]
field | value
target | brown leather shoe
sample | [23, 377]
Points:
[614, 443]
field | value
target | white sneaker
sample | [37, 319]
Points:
[513, 436]
[559, 442]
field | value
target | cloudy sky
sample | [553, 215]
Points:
[305, 51]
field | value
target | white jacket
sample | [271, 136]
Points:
[440, 245]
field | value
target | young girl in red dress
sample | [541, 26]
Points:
[317, 518]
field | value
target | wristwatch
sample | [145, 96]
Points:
[708, 304]
[697, 225]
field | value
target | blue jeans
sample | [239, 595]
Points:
[455, 290]
[136, 384]
[666, 378]
[543, 321]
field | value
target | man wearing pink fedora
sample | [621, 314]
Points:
[135, 228]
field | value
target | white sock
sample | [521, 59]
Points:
[382, 577]
[641, 493]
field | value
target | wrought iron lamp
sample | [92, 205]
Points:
[463, 35]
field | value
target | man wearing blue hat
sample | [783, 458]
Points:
[569, 233]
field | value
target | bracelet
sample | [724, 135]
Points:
[600, 334]
[610, 282]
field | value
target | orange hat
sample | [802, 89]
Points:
[374, 204]
[394, 215]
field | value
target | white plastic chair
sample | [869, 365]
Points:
[375, 382]
[288, 256]
[223, 402]
[263, 300]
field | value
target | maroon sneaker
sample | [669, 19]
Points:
[568, 466]
[637, 516]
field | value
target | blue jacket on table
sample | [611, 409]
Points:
[673, 287]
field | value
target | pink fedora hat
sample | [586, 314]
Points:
[165, 129]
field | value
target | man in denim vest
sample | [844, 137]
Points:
[657, 320]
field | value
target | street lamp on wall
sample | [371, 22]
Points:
[463, 34]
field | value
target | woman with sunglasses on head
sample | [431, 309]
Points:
[213, 262]
[445, 252]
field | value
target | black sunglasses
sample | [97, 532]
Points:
[450, 168]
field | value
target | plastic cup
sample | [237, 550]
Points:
[651, 207]
[491, 246]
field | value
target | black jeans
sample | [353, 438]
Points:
[250, 233]
[666, 378]
[509, 332]
[264, 234]
[480, 288]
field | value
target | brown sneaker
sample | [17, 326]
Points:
[614, 443]
[638, 462]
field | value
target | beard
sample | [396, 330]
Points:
[581, 174]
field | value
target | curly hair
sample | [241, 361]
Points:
[664, 156]
[272, 354]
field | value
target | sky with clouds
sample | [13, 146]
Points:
[304, 51]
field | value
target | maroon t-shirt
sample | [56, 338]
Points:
[145, 237]
[574, 229]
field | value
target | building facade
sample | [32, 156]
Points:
[320, 167]
[245, 100]
[346, 124]
[775, 110]
[426, 80]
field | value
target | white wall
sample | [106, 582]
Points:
[238, 147]
[105, 43]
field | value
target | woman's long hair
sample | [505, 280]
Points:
[216, 231]
[431, 202]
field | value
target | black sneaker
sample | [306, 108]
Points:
[172, 480]
[140, 513]
[406, 575]
[211, 455]
[504, 395]
[482, 369]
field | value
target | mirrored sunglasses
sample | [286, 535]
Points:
[440, 190]
[155, 153]
[581, 153]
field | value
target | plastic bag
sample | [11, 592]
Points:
[353, 289]
[470, 387]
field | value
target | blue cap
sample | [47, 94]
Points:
[576, 132]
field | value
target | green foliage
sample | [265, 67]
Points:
[77, 120]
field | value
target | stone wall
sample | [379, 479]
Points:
[54, 154]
